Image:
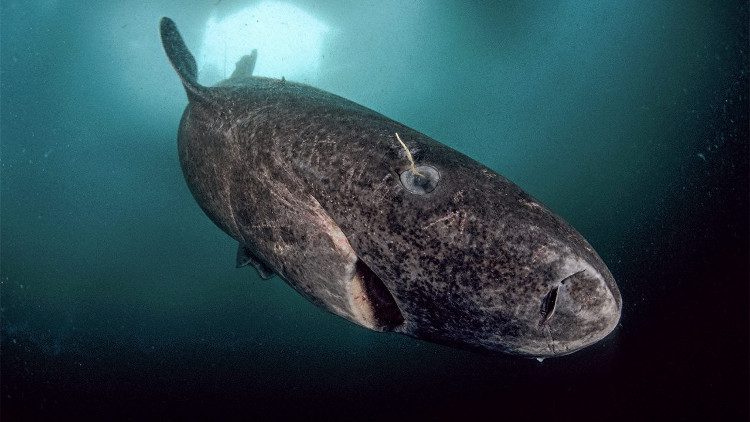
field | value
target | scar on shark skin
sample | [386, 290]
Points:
[409, 156]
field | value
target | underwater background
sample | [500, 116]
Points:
[119, 298]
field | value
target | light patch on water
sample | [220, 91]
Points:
[289, 43]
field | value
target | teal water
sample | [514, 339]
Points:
[119, 298]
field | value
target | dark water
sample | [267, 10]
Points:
[119, 297]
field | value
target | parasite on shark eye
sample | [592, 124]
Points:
[423, 180]
[418, 179]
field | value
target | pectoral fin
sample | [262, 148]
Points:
[246, 256]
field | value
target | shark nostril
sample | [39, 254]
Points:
[548, 305]
[570, 276]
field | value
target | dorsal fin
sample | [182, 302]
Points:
[245, 66]
[182, 61]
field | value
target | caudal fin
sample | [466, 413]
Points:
[182, 61]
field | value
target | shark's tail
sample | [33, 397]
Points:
[182, 61]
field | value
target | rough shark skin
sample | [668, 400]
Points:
[320, 191]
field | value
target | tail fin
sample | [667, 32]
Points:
[182, 61]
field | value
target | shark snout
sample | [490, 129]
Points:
[578, 310]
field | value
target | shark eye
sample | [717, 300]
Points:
[420, 180]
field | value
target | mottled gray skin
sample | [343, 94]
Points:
[309, 183]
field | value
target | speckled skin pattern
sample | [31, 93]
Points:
[310, 182]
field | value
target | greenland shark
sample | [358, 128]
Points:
[382, 225]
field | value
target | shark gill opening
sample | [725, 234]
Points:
[373, 303]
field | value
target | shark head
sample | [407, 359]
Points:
[471, 260]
